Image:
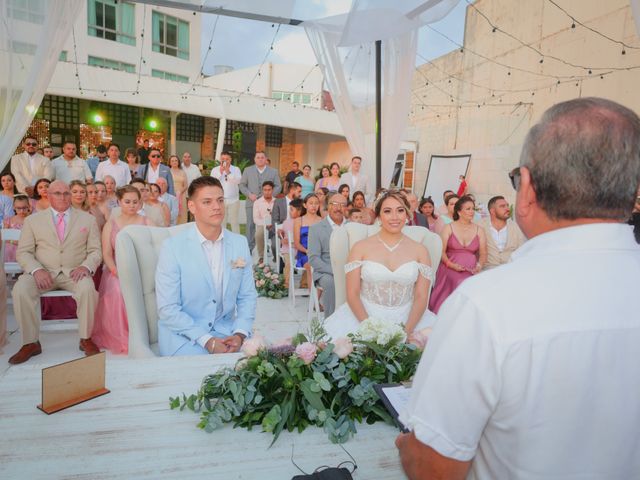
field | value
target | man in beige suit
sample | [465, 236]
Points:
[59, 248]
[503, 235]
[29, 166]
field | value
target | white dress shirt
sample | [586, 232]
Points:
[68, 170]
[214, 252]
[230, 182]
[532, 370]
[192, 172]
[153, 175]
[499, 236]
[333, 224]
[119, 171]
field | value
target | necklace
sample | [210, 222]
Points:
[391, 249]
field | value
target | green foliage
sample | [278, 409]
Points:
[279, 391]
[269, 283]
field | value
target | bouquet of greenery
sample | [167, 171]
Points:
[268, 282]
[307, 382]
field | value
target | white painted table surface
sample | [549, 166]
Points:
[132, 433]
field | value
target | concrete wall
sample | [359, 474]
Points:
[491, 123]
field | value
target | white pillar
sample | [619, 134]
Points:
[222, 128]
[173, 129]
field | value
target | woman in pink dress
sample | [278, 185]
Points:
[111, 327]
[464, 252]
[23, 209]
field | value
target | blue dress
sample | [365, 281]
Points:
[301, 258]
[307, 186]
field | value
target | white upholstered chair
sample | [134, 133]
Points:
[342, 239]
[137, 250]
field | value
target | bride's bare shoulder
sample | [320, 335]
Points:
[363, 244]
[417, 247]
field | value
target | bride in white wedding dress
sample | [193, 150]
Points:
[388, 276]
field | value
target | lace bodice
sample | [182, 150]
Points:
[389, 288]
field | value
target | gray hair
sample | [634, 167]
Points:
[584, 159]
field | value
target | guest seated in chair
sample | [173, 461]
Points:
[319, 253]
[205, 291]
[59, 248]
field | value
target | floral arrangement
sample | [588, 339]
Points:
[268, 282]
[307, 382]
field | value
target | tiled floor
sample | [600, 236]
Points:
[275, 320]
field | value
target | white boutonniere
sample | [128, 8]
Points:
[238, 263]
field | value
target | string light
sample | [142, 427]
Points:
[206, 55]
[75, 58]
[597, 32]
[257, 74]
[538, 52]
[144, 22]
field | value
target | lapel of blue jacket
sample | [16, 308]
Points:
[199, 257]
[226, 268]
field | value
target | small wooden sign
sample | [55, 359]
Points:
[72, 382]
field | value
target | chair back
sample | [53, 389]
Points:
[342, 239]
[9, 235]
[137, 250]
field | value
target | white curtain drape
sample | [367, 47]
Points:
[344, 47]
[24, 77]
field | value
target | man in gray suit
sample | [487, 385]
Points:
[251, 186]
[153, 170]
[319, 254]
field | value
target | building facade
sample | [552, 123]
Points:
[518, 59]
[131, 72]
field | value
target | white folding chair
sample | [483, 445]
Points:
[314, 305]
[10, 235]
[278, 242]
[13, 268]
[293, 271]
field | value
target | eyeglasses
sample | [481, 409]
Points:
[21, 209]
[31, 144]
[338, 204]
[154, 156]
[60, 194]
[514, 176]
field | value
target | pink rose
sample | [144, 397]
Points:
[253, 345]
[342, 347]
[306, 352]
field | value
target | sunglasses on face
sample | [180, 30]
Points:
[31, 144]
[154, 156]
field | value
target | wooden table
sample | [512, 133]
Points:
[132, 433]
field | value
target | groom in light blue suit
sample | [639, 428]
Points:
[205, 290]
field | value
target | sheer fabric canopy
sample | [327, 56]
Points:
[31, 40]
[343, 45]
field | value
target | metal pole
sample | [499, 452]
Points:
[378, 113]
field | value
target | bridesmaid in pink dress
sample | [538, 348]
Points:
[464, 246]
[111, 327]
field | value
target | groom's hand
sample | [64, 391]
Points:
[234, 342]
[216, 345]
